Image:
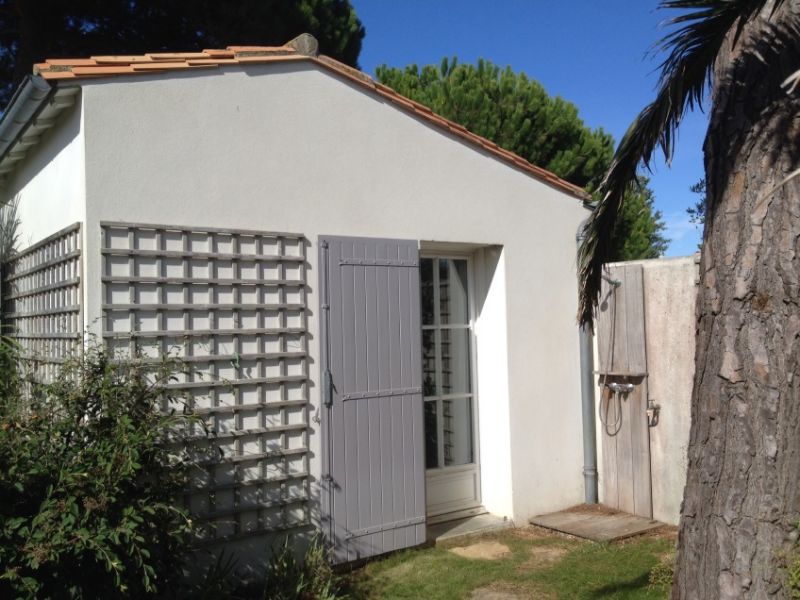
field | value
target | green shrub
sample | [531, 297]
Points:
[88, 487]
[10, 376]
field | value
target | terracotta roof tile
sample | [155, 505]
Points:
[212, 61]
[159, 65]
[405, 102]
[162, 62]
[176, 55]
[102, 70]
[238, 49]
[120, 60]
[257, 58]
[56, 75]
[219, 53]
[71, 62]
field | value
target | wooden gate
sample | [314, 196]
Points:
[373, 464]
[623, 380]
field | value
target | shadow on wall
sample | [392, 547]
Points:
[68, 173]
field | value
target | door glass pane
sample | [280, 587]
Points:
[457, 431]
[431, 436]
[453, 301]
[429, 362]
[455, 361]
[426, 290]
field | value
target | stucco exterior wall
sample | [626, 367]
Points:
[670, 293]
[294, 148]
[50, 180]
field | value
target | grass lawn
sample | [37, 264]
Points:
[535, 565]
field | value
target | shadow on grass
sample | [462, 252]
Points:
[624, 588]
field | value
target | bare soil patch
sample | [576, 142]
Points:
[665, 532]
[502, 592]
[544, 556]
[533, 532]
[489, 550]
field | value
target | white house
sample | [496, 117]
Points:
[381, 302]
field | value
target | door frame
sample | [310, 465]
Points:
[444, 472]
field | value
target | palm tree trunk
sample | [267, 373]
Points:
[742, 500]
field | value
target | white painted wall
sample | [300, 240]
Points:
[50, 180]
[294, 148]
[670, 295]
[494, 411]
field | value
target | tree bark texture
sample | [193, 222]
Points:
[742, 499]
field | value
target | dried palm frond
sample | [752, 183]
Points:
[9, 229]
[685, 76]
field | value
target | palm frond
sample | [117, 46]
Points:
[685, 76]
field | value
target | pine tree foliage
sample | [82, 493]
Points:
[638, 232]
[32, 30]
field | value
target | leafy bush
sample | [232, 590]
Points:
[10, 376]
[88, 488]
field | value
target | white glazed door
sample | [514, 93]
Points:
[451, 457]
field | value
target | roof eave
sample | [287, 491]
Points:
[31, 99]
[33, 109]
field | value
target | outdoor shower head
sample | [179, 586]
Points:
[614, 282]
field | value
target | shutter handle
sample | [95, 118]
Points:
[327, 388]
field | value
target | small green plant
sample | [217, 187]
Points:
[309, 579]
[218, 581]
[793, 569]
[10, 374]
[663, 571]
[88, 485]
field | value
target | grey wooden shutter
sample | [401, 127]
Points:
[373, 465]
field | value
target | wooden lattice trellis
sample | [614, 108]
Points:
[231, 306]
[42, 300]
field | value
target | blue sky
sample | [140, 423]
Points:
[593, 53]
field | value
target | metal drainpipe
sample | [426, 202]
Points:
[587, 405]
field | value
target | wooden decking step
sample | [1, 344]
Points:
[599, 525]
